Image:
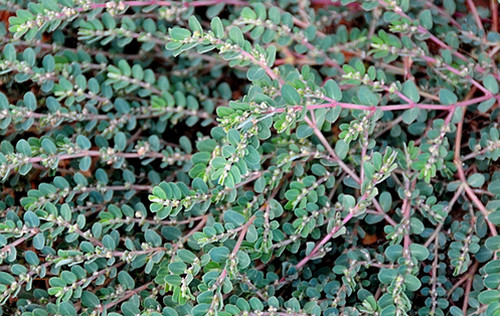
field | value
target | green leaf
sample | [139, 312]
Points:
[411, 91]
[274, 15]
[419, 252]
[152, 238]
[235, 218]
[83, 142]
[255, 73]
[393, 252]
[6, 278]
[9, 51]
[483, 107]
[491, 84]
[48, 146]
[236, 36]
[332, 90]
[186, 255]
[243, 260]
[476, 180]
[195, 25]
[179, 34]
[489, 297]
[386, 276]
[126, 280]
[341, 148]
[30, 101]
[129, 309]
[412, 282]
[447, 97]
[219, 254]
[495, 217]
[304, 131]
[290, 95]
[4, 102]
[248, 13]
[108, 242]
[177, 267]
[31, 258]
[217, 27]
[256, 304]
[39, 241]
[168, 311]
[367, 97]
[158, 192]
[68, 277]
[493, 243]
[120, 141]
[410, 115]
[450, 6]
[85, 163]
[23, 147]
[67, 309]
[31, 219]
[385, 201]
[90, 299]
[29, 56]
[425, 18]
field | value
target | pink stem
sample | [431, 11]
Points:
[95, 153]
[264, 66]
[18, 241]
[200, 3]
[433, 38]
[473, 10]
[323, 242]
[396, 107]
[406, 219]
[237, 246]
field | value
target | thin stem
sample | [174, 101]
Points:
[468, 287]
[396, 107]
[323, 241]
[18, 241]
[127, 295]
[432, 37]
[155, 221]
[330, 150]
[450, 207]
[434, 280]
[494, 15]
[406, 217]
[476, 16]
[201, 3]
[96, 153]
[459, 164]
[237, 246]
[263, 65]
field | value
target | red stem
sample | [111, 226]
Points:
[395, 107]
[200, 3]
[237, 246]
[323, 242]
[473, 10]
[494, 14]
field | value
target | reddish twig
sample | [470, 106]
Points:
[461, 173]
[476, 16]
[19, 241]
[470, 278]
[127, 295]
[406, 218]
[397, 107]
[494, 15]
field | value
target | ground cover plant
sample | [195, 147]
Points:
[225, 157]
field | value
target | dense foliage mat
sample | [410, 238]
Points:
[224, 157]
